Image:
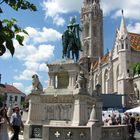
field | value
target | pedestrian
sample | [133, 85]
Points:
[125, 119]
[16, 123]
[4, 121]
[138, 124]
[132, 126]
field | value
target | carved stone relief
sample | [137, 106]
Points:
[58, 111]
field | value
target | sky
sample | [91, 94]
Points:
[45, 28]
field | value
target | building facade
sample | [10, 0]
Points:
[12, 95]
[112, 70]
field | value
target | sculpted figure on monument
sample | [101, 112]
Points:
[36, 84]
[81, 81]
[136, 92]
[71, 40]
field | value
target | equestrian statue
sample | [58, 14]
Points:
[71, 40]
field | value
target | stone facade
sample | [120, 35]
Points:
[112, 70]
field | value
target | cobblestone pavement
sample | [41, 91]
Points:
[137, 135]
[20, 136]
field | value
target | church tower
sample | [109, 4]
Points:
[124, 82]
[92, 33]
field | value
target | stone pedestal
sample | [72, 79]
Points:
[63, 110]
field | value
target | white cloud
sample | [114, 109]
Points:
[43, 67]
[44, 35]
[28, 89]
[54, 8]
[114, 8]
[35, 51]
[58, 20]
[134, 28]
[34, 60]
[19, 86]
[25, 75]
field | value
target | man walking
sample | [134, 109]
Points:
[16, 123]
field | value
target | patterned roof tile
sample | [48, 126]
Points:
[135, 41]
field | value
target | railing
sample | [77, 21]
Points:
[115, 132]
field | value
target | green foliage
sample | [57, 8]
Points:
[9, 29]
[136, 68]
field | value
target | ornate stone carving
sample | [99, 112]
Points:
[36, 84]
[58, 112]
[81, 81]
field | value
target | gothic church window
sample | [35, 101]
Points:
[122, 45]
[117, 75]
[94, 31]
[106, 81]
[86, 30]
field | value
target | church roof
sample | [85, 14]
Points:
[103, 60]
[135, 41]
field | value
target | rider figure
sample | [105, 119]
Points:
[75, 29]
[71, 39]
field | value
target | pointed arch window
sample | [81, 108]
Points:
[117, 75]
[86, 30]
[106, 81]
[122, 45]
[94, 31]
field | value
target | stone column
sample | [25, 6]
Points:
[72, 79]
[90, 35]
[34, 105]
[73, 75]
[51, 80]
[80, 111]
[76, 113]
[95, 127]
[29, 113]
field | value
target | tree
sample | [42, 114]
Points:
[9, 29]
[136, 68]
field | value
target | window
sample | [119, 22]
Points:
[16, 98]
[122, 46]
[94, 31]
[86, 30]
[10, 98]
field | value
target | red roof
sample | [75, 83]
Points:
[104, 59]
[135, 41]
[10, 89]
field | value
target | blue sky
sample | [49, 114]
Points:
[45, 27]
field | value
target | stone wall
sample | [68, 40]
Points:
[46, 132]
[118, 132]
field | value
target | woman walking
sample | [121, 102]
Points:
[4, 120]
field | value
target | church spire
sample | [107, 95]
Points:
[123, 29]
